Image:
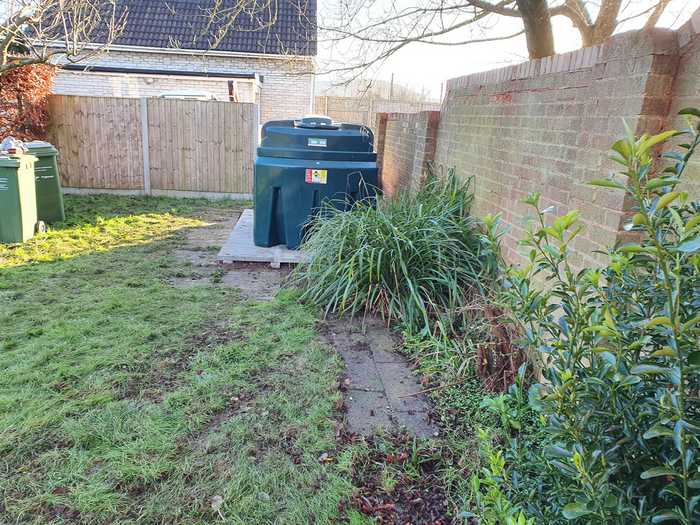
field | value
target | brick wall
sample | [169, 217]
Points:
[687, 90]
[286, 90]
[412, 140]
[547, 126]
[364, 110]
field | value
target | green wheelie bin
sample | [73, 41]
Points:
[49, 197]
[18, 218]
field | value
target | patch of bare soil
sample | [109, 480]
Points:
[213, 336]
[201, 246]
[200, 249]
[255, 280]
[202, 441]
[165, 369]
[399, 484]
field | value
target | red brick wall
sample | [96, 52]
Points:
[547, 126]
[406, 147]
[687, 90]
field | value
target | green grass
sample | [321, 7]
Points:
[126, 400]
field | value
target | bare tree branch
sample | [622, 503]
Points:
[38, 31]
[368, 33]
[656, 14]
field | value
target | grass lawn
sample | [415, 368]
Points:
[126, 400]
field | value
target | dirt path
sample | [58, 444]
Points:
[200, 249]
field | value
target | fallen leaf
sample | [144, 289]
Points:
[216, 502]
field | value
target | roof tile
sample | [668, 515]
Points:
[247, 26]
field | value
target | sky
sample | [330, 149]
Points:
[423, 66]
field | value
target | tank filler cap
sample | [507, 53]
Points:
[315, 121]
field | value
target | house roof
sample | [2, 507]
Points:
[276, 27]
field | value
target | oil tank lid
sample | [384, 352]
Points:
[315, 122]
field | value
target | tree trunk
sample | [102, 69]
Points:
[538, 27]
[606, 22]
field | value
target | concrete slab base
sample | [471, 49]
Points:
[240, 247]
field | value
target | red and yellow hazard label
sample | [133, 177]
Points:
[316, 176]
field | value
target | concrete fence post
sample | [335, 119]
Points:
[145, 145]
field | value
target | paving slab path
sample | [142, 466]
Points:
[382, 393]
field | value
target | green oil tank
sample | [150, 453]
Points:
[302, 164]
[18, 217]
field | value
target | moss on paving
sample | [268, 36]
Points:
[125, 400]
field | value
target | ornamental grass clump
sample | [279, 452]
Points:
[417, 259]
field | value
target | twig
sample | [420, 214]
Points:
[433, 389]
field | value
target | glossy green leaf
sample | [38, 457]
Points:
[658, 431]
[678, 434]
[623, 148]
[557, 452]
[695, 112]
[661, 320]
[666, 515]
[658, 471]
[690, 246]
[667, 199]
[630, 380]
[649, 369]
[575, 510]
[606, 183]
[655, 139]
[666, 351]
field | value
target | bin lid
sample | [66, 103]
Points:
[40, 148]
[14, 161]
[9, 162]
[317, 137]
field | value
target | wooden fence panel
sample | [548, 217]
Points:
[190, 146]
[201, 146]
[99, 140]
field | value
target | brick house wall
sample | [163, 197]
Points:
[547, 126]
[286, 90]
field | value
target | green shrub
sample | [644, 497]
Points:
[619, 436]
[417, 258]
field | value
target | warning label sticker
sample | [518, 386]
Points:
[316, 176]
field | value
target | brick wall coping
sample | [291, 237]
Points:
[657, 41]
[431, 115]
